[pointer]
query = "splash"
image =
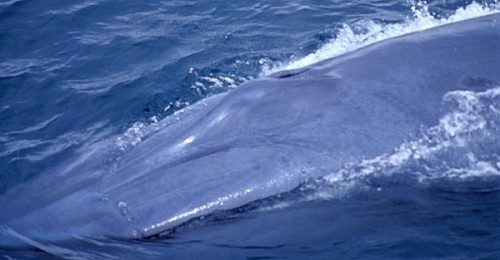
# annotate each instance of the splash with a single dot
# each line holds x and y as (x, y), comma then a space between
(349, 39)
(462, 146)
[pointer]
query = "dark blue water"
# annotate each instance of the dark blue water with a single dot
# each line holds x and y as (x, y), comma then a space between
(73, 73)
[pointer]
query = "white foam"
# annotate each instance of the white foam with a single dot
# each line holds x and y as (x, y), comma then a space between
(473, 114)
(131, 137)
(219, 81)
(349, 39)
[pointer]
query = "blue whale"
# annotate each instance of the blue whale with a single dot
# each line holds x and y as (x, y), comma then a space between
(263, 138)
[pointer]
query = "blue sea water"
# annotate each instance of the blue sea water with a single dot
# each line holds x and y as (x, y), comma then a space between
(74, 73)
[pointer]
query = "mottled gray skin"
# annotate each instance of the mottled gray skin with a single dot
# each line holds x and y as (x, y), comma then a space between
(263, 138)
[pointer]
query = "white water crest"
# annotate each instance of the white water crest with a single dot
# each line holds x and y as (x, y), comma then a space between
(349, 39)
(462, 146)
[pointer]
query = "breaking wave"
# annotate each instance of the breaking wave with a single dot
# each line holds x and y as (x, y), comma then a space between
(354, 36)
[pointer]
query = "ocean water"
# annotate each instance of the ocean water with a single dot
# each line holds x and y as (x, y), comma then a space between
(73, 73)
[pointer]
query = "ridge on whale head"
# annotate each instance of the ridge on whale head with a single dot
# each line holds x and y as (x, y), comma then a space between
(263, 138)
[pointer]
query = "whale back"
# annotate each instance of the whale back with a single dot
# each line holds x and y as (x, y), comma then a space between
(261, 139)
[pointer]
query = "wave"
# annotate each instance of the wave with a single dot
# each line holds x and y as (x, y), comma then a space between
(462, 149)
(355, 36)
